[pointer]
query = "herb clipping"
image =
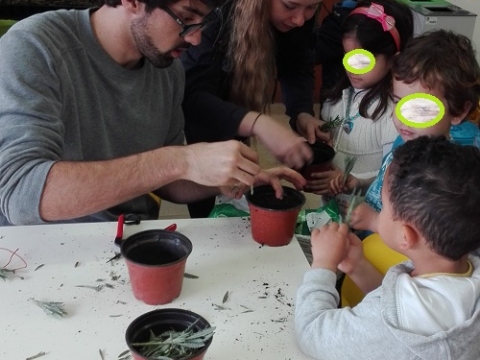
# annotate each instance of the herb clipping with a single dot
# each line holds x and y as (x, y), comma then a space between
(175, 344)
(51, 307)
(355, 200)
(331, 124)
(349, 164)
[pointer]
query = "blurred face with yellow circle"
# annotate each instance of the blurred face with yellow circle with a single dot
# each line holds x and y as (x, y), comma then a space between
(420, 110)
(363, 68)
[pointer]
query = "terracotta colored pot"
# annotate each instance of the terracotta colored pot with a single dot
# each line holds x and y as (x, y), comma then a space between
(160, 321)
(273, 220)
(156, 263)
(323, 155)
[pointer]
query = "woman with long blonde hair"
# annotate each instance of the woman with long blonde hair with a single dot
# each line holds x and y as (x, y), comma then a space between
(230, 76)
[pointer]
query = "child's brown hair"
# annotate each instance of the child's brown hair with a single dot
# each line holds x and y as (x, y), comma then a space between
(434, 185)
(442, 60)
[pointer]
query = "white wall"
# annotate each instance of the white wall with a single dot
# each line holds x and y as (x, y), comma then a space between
(474, 7)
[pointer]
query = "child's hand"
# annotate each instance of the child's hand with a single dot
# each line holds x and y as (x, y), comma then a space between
(364, 217)
(337, 186)
(354, 255)
(329, 246)
(321, 184)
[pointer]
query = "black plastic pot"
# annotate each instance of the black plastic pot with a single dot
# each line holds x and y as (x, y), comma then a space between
(323, 155)
(163, 320)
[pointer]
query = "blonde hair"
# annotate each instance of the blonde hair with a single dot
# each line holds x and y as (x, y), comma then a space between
(251, 54)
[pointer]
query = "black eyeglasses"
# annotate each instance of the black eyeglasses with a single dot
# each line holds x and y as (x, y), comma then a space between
(187, 29)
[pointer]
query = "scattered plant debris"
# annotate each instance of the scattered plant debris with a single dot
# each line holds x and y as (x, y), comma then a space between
(41, 353)
(190, 276)
(102, 355)
(225, 298)
(125, 355)
(96, 288)
(219, 307)
(39, 266)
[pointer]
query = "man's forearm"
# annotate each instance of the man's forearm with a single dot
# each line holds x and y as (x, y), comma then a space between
(75, 189)
(184, 191)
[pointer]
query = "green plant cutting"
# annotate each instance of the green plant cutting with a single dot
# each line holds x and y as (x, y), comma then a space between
(331, 124)
(175, 345)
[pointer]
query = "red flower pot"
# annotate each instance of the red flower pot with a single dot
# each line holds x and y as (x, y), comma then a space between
(156, 263)
(160, 321)
(273, 220)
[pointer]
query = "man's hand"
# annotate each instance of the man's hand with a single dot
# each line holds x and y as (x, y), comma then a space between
(221, 163)
(267, 177)
(309, 127)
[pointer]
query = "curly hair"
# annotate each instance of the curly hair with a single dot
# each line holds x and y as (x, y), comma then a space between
(251, 54)
(442, 60)
(434, 185)
(370, 35)
(153, 4)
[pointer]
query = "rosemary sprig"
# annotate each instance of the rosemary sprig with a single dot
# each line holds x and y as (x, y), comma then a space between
(331, 124)
(349, 164)
(175, 345)
(355, 200)
(51, 307)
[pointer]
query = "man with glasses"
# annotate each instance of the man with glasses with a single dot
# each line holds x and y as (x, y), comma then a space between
(91, 117)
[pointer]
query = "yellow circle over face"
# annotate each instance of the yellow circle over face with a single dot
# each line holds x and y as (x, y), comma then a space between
(359, 61)
(420, 110)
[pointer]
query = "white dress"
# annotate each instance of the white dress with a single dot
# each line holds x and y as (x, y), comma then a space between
(368, 140)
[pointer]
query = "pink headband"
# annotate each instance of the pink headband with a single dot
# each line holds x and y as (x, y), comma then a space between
(375, 11)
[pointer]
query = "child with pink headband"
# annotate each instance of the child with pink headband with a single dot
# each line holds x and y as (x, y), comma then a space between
(362, 102)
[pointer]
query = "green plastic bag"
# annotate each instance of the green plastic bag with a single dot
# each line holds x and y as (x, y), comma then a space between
(226, 207)
(5, 25)
(310, 218)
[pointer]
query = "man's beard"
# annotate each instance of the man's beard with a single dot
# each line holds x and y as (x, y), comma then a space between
(145, 44)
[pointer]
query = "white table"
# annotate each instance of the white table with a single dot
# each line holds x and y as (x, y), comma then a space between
(224, 257)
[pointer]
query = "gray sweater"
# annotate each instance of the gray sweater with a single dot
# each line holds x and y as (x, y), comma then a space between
(406, 318)
(64, 98)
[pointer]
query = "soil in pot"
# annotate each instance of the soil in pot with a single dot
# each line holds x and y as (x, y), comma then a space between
(273, 220)
(323, 155)
(156, 263)
(160, 321)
